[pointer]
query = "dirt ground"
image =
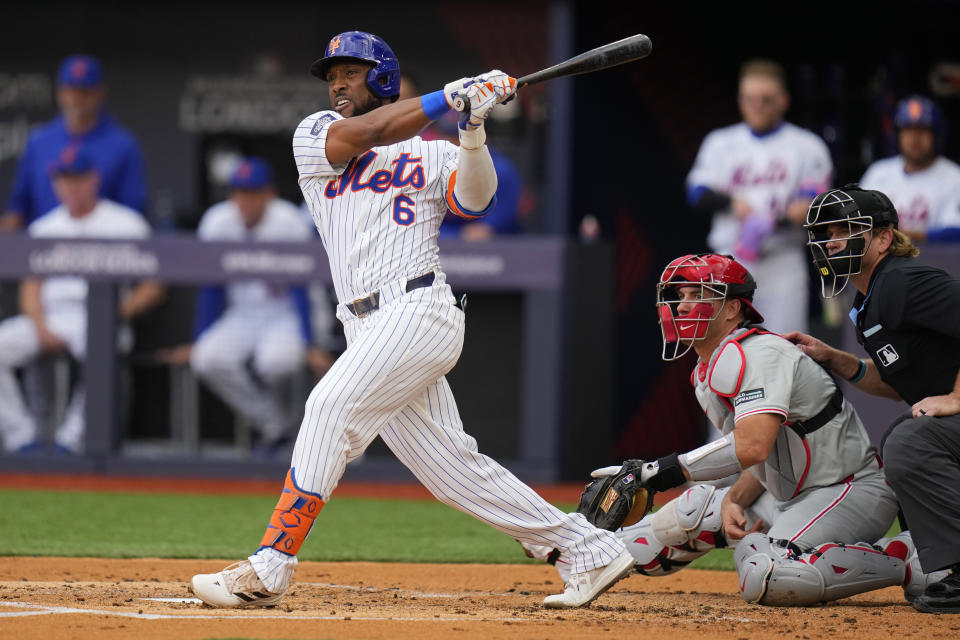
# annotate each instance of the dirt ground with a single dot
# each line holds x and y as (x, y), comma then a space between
(60, 598)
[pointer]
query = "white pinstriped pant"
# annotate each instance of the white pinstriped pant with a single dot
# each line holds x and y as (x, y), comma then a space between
(389, 382)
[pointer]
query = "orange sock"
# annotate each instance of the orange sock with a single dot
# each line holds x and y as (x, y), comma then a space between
(292, 518)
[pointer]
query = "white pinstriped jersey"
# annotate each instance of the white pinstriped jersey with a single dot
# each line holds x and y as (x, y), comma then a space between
(925, 200)
(779, 379)
(767, 171)
(281, 222)
(380, 214)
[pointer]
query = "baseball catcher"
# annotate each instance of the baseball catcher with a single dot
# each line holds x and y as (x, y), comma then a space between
(794, 484)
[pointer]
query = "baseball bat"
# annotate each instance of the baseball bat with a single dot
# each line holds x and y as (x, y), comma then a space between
(609, 55)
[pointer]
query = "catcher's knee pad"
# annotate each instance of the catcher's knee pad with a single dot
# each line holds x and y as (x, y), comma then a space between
(692, 520)
(652, 557)
(292, 518)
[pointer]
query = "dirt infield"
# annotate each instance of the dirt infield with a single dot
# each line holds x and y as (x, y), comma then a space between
(60, 598)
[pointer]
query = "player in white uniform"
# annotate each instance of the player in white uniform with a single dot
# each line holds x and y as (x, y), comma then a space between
(923, 185)
(263, 324)
(54, 309)
(377, 193)
(810, 489)
(757, 178)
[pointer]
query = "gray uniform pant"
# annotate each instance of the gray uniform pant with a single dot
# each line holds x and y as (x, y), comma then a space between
(921, 457)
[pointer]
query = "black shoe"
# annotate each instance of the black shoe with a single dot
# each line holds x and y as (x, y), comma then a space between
(941, 597)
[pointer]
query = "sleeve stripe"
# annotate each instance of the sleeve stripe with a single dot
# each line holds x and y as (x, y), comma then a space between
(456, 207)
(773, 410)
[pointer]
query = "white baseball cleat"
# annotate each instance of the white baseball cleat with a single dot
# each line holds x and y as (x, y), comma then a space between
(235, 586)
(584, 588)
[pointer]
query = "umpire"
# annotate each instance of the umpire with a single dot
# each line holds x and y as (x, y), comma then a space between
(907, 318)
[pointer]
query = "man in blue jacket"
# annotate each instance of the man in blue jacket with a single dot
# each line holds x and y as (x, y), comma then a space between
(83, 121)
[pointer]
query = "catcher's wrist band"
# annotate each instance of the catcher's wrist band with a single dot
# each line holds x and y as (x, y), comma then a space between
(434, 104)
(714, 460)
(668, 474)
(861, 371)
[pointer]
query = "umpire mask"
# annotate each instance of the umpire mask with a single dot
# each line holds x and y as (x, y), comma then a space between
(844, 218)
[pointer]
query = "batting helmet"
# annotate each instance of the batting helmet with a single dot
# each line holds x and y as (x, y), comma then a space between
(718, 278)
(918, 111)
(855, 211)
(383, 79)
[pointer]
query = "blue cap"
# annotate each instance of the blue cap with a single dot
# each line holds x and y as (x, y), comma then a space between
(73, 160)
(80, 71)
(251, 173)
(917, 111)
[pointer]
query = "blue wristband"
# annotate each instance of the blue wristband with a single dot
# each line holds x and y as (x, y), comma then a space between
(858, 376)
(434, 104)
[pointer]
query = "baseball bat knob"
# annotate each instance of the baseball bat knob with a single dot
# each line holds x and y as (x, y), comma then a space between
(461, 105)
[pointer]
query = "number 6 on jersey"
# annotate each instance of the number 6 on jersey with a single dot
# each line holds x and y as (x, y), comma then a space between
(403, 213)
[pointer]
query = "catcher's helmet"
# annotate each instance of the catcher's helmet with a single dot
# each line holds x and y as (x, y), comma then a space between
(383, 79)
(719, 278)
(856, 211)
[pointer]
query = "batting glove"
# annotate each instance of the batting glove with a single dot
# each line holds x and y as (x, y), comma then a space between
(504, 86)
(480, 98)
(452, 89)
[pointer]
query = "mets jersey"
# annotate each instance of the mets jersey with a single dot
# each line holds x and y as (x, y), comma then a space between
(107, 220)
(766, 170)
(281, 222)
(776, 377)
(378, 215)
(925, 200)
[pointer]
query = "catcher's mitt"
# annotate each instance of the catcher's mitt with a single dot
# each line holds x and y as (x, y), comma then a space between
(617, 500)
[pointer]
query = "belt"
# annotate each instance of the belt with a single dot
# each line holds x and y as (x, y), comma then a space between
(362, 307)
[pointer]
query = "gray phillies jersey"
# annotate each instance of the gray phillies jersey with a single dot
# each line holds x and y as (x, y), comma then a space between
(763, 373)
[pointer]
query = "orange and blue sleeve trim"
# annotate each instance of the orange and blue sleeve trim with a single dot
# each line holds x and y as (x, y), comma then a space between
(455, 206)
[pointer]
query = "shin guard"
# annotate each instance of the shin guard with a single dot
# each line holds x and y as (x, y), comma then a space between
(292, 518)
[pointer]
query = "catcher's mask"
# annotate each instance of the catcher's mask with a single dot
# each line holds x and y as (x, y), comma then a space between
(844, 218)
(717, 279)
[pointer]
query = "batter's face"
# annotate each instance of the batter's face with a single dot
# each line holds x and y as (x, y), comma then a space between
(349, 95)
(763, 101)
(916, 145)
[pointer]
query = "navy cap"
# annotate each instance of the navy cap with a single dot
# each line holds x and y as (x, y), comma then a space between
(73, 160)
(80, 71)
(251, 173)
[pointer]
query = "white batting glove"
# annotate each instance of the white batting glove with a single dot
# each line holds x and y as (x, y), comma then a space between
(480, 98)
(452, 89)
(504, 85)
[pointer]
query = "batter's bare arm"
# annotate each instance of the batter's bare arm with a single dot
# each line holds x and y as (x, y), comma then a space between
(389, 124)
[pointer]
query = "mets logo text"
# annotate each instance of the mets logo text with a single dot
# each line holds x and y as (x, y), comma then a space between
(406, 171)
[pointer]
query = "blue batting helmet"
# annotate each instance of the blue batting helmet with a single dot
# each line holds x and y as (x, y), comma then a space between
(917, 111)
(383, 79)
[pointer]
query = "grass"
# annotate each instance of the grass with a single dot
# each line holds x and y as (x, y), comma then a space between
(121, 525)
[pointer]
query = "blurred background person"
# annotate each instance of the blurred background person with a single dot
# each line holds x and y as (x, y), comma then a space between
(251, 336)
(756, 178)
(83, 120)
(54, 310)
(923, 185)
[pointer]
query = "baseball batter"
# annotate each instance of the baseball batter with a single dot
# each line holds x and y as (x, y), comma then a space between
(810, 495)
(377, 193)
(923, 185)
(756, 179)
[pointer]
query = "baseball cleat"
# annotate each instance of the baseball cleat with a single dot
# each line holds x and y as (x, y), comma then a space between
(584, 588)
(235, 586)
(915, 581)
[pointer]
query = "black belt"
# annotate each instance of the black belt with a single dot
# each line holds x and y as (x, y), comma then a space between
(806, 427)
(365, 306)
